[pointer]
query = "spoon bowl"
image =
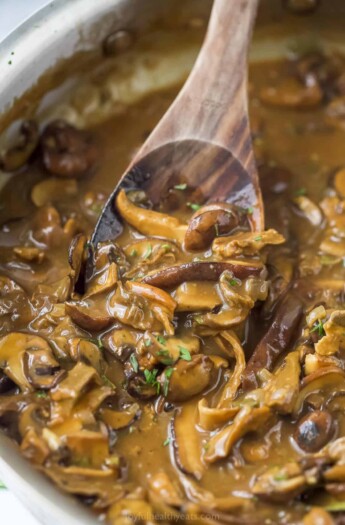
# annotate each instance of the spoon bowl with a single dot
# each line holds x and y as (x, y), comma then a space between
(210, 173)
(203, 142)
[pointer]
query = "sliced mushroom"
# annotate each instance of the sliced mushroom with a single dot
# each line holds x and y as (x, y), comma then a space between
(248, 419)
(339, 182)
(309, 210)
(52, 190)
(173, 276)
(188, 378)
(76, 253)
(245, 243)
(210, 222)
(72, 386)
(17, 156)
(281, 484)
(88, 315)
(117, 419)
(196, 296)
(314, 430)
(213, 418)
(281, 390)
(277, 339)
(28, 361)
(41, 367)
(187, 442)
(149, 222)
(67, 151)
(82, 481)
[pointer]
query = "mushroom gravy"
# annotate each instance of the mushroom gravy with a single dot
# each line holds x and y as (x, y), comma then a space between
(196, 370)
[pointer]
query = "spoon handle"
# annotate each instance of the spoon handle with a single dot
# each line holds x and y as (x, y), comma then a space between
(212, 105)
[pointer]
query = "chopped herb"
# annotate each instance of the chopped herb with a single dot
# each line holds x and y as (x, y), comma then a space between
(167, 442)
(148, 251)
(258, 238)
(168, 360)
(151, 378)
(181, 186)
(319, 329)
(134, 362)
(96, 342)
(166, 247)
(133, 253)
(300, 192)
(216, 227)
(147, 342)
(2, 485)
(41, 394)
(250, 210)
(10, 62)
(161, 340)
(167, 373)
(107, 381)
(234, 282)
(281, 476)
(185, 353)
(193, 206)
(198, 319)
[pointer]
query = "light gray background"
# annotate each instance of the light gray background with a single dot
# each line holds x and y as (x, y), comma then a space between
(12, 14)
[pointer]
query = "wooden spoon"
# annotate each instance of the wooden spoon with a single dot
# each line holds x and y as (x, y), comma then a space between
(204, 138)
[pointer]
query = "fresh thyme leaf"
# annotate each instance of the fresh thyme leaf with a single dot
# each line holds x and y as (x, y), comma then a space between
(96, 342)
(318, 327)
(300, 192)
(250, 210)
(234, 282)
(133, 253)
(41, 394)
(161, 340)
(281, 477)
(185, 353)
(148, 251)
(181, 187)
(166, 247)
(193, 206)
(151, 378)
(258, 238)
(167, 373)
(147, 342)
(166, 442)
(134, 362)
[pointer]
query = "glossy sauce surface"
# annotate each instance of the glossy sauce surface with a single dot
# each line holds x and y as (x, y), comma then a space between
(100, 393)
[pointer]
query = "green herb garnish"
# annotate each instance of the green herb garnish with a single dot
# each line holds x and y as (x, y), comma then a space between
(161, 340)
(185, 353)
(318, 327)
(148, 251)
(2, 486)
(133, 253)
(181, 187)
(258, 238)
(151, 378)
(134, 362)
(147, 342)
(193, 206)
(166, 247)
(166, 442)
(41, 394)
(167, 359)
(96, 342)
(300, 192)
(250, 210)
(234, 282)
(167, 373)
